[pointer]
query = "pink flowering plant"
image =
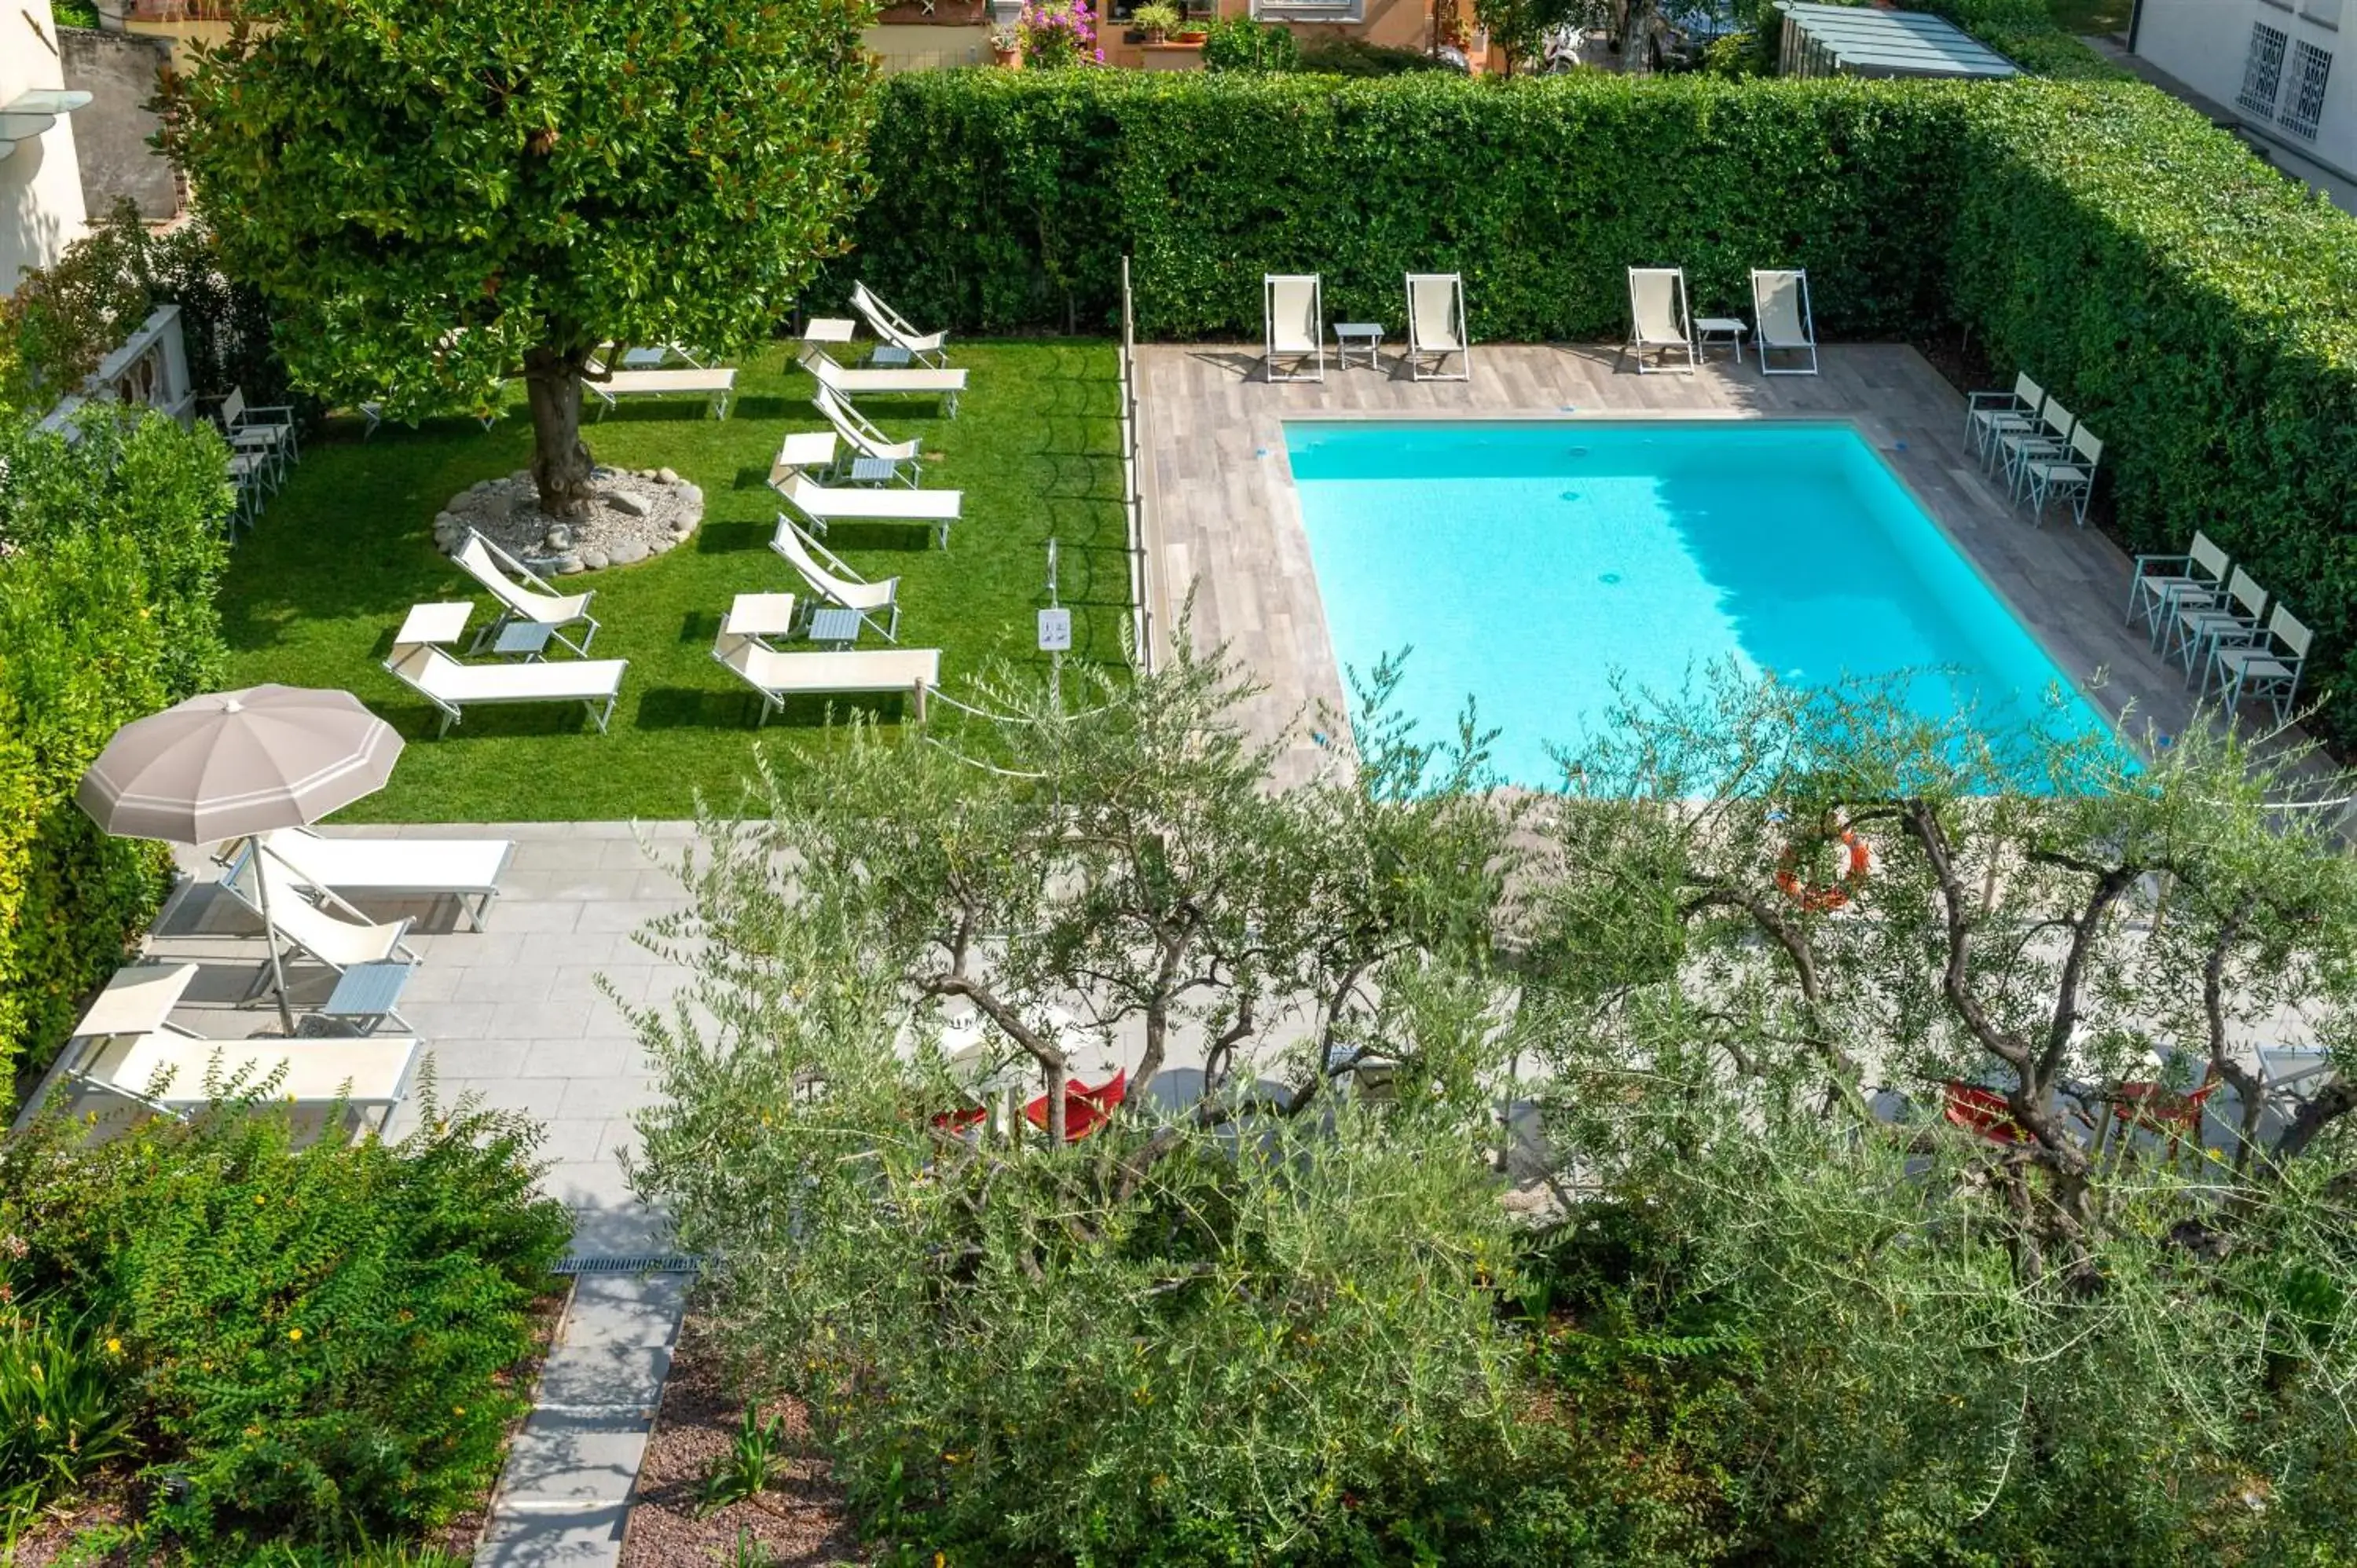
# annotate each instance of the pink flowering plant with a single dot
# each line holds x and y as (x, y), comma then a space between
(1056, 35)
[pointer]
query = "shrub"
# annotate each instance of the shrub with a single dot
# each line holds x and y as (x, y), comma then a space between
(319, 1336)
(1356, 56)
(63, 1412)
(115, 542)
(1057, 36)
(1033, 188)
(1239, 43)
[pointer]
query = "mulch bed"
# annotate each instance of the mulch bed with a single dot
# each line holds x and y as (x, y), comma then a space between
(800, 1520)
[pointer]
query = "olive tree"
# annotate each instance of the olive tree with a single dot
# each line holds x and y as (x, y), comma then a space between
(1191, 1334)
(437, 197)
(1780, 935)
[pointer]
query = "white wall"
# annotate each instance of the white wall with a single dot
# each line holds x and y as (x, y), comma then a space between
(40, 185)
(2205, 44)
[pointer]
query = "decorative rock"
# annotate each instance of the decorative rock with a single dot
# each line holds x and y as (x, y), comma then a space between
(593, 559)
(632, 516)
(558, 538)
(692, 494)
(625, 502)
(566, 566)
(680, 531)
(667, 475)
(628, 552)
(665, 542)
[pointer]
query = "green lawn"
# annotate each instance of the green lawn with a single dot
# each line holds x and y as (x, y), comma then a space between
(315, 592)
(2083, 17)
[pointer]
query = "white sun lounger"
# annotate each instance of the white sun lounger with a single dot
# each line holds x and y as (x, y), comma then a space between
(166, 1071)
(1435, 327)
(1293, 313)
(1781, 320)
(777, 676)
(888, 324)
(1658, 317)
(713, 383)
(530, 599)
(450, 686)
(837, 583)
(864, 438)
(468, 870)
(315, 930)
(826, 504)
(944, 384)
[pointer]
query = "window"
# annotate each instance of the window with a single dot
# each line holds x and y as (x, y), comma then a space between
(1310, 10)
(2323, 12)
(2264, 70)
(2304, 104)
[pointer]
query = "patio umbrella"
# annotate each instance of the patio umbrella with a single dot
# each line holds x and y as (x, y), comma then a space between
(233, 765)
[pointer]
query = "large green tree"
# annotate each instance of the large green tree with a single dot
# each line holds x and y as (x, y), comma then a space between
(437, 197)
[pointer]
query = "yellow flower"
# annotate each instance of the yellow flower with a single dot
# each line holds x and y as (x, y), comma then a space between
(259, 1200)
(457, 1410)
(939, 1560)
(114, 1347)
(294, 1334)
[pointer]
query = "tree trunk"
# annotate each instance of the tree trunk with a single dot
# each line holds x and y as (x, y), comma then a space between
(561, 465)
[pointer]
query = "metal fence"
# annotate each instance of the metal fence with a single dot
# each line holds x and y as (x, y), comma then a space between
(1133, 493)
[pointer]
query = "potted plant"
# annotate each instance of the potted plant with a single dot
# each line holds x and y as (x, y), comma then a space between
(1186, 29)
(1007, 46)
(1157, 21)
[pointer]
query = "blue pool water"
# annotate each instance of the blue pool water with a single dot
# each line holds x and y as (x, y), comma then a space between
(1528, 562)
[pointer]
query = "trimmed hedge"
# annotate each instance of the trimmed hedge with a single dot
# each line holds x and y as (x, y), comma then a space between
(114, 543)
(2199, 310)
(1005, 200)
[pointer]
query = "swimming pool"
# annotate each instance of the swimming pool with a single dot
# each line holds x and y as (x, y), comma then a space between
(1526, 563)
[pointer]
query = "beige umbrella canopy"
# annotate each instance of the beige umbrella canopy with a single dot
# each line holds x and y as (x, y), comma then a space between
(231, 764)
(234, 765)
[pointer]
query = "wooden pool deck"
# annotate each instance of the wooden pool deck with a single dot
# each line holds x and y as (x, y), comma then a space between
(1224, 517)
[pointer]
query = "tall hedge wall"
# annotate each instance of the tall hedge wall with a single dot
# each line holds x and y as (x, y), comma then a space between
(1006, 200)
(113, 546)
(2194, 307)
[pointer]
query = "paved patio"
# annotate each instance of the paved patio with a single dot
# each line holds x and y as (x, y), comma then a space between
(1223, 515)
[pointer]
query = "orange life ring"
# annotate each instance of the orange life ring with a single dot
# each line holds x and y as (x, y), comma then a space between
(1857, 860)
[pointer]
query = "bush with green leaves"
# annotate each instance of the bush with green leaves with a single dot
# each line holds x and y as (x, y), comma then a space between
(1239, 43)
(318, 1338)
(63, 1414)
(114, 543)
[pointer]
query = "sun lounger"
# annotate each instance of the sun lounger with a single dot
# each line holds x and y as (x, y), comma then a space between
(944, 384)
(466, 869)
(1293, 316)
(169, 1070)
(1658, 317)
(837, 583)
(315, 930)
(1781, 320)
(713, 383)
(450, 686)
(864, 439)
(531, 599)
(826, 504)
(1435, 327)
(851, 672)
(888, 325)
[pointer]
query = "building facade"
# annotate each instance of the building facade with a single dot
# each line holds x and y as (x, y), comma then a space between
(41, 209)
(2273, 67)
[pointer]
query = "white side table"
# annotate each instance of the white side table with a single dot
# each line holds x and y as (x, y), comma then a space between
(803, 451)
(760, 616)
(1717, 329)
(1367, 335)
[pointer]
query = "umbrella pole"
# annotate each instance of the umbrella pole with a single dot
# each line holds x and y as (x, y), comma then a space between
(270, 936)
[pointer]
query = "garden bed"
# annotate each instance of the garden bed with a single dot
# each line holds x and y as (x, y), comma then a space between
(800, 1520)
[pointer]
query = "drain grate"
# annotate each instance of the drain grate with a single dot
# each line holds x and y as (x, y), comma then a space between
(638, 1263)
